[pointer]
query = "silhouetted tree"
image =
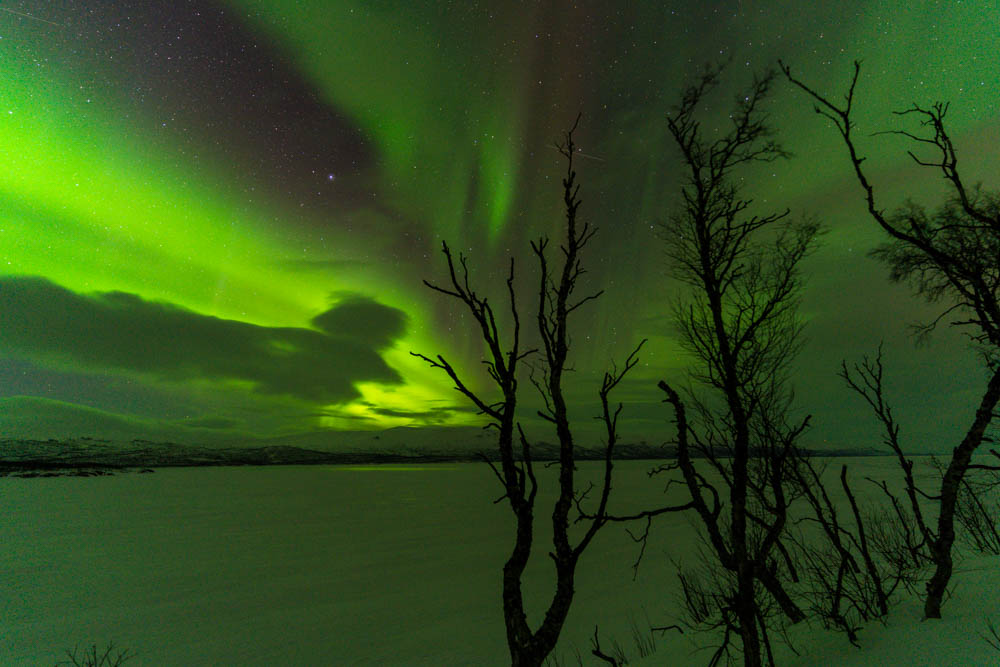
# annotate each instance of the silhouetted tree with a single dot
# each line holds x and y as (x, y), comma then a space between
(851, 572)
(556, 304)
(866, 380)
(951, 254)
(977, 509)
(110, 657)
(740, 325)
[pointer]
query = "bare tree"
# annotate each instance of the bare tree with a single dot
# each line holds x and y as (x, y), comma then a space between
(740, 325)
(977, 509)
(866, 380)
(110, 657)
(556, 303)
(851, 572)
(950, 255)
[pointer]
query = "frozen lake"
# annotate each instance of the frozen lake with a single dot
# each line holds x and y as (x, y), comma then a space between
(317, 565)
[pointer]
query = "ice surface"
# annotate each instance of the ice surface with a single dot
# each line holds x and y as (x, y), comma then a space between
(400, 565)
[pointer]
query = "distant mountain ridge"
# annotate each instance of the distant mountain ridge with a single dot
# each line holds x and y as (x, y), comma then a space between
(20, 456)
(45, 431)
(85, 452)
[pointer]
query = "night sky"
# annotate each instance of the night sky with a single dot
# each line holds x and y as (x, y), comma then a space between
(215, 216)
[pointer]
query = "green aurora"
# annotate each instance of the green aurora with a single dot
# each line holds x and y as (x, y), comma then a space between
(215, 219)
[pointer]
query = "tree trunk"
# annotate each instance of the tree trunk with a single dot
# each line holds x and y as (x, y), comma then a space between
(960, 458)
(773, 585)
(746, 612)
(515, 620)
(534, 652)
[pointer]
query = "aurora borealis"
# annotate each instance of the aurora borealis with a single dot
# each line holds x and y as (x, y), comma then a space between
(215, 217)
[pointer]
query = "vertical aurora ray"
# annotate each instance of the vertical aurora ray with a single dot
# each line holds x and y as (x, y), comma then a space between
(444, 116)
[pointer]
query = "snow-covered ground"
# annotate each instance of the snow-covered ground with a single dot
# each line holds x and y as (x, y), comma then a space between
(391, 565)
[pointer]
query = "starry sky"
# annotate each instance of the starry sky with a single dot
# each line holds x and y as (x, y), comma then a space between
(215, 217)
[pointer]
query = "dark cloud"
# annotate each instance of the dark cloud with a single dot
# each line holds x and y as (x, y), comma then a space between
(363, 320)
(431, 416)
(52, 325)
